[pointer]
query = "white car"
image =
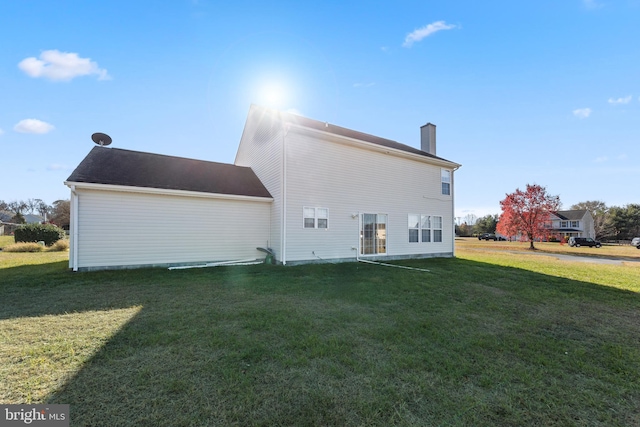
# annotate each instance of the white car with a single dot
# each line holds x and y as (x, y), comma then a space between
(636, 242)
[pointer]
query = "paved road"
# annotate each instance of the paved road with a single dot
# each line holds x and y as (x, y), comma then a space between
(575, 258)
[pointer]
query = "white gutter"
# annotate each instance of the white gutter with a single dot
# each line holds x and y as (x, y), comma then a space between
(283, 235)
(453, 211)
(74, 232)
(250, 261)
(164, 191)
(393, 265)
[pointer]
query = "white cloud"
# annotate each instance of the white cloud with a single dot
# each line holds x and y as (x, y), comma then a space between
(426, 31)
(625, 100)
(33, 126)
(364, 84)
(61, 66)
(601, 159)
(582, 113)
(1, 131)
(622, 157)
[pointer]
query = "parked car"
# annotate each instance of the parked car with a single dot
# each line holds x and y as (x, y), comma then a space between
(487, 236)
(583, 241)
(636, 242)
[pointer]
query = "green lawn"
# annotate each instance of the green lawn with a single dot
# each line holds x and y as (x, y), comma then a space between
(487, 339)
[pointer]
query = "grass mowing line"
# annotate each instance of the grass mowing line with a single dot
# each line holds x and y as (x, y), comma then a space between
(39, 354)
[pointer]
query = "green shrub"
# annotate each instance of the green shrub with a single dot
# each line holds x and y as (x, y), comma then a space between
(60, 245)
(24, 247)
(47, 233)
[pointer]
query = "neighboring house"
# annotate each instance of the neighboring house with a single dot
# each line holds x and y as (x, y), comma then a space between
(574, 223)
(33, 219)
(309, 190)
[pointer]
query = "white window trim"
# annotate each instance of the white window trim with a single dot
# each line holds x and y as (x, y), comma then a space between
(420, 228)
(315, 218)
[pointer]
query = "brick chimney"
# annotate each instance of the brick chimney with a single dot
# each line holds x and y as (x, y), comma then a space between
(428, 138)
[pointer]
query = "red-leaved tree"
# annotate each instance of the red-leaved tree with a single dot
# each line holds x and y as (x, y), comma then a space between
(526, 212)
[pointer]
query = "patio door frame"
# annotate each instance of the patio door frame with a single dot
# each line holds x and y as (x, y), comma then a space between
(373, 240)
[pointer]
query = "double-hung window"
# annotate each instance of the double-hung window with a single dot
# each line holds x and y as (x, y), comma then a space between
(414, 228)
(425, 226)
(315, 217)
(445, 178)
(436, 223)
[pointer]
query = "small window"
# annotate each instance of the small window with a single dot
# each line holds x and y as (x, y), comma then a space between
(322, 215)
(315, 217)
(425, 225)
(436, 223)
(414, 228)
(575, 224)
(445, 178)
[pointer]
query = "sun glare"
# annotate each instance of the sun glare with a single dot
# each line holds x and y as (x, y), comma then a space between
(274, 94)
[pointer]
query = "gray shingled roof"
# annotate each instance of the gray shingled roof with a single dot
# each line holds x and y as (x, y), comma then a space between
(115, 166)
(573, 215)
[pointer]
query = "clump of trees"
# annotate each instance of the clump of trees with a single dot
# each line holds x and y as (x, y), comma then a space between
(470, 225)
(58, 213)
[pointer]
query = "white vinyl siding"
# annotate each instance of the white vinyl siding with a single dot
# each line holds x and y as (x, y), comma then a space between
(350, 181)
(261, 149)
(119, 229)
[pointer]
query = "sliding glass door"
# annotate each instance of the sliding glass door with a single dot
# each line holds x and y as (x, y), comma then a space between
(373, 234)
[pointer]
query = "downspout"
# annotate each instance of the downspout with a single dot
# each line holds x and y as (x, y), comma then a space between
(74, 233)
(283, 235)
(453, 211)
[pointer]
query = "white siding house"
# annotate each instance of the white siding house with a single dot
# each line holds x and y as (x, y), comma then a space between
(342, 194)
(308, 190)
(573, 223)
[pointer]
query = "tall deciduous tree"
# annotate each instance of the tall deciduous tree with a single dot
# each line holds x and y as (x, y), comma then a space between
(61, 213)
(527, 211)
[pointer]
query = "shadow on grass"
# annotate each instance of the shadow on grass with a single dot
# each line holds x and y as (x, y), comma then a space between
(349, 344)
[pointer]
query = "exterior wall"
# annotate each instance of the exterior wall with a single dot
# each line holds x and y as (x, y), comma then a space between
(261, 150)
(120, 229)
(350, 180)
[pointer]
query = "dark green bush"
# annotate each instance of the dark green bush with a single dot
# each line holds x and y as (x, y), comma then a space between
(48, 233)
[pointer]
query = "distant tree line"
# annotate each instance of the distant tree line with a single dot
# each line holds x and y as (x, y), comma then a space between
(58, 213)
(610, 222)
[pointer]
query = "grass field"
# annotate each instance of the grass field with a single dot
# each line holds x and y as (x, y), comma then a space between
(491, 338)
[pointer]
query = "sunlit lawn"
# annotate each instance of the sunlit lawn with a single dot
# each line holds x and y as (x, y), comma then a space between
(488, 339)
(607, 250)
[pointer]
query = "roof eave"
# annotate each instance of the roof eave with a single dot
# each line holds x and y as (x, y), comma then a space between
(163, 191)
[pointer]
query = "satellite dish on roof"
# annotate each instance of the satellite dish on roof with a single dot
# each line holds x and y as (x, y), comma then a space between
(101, 138)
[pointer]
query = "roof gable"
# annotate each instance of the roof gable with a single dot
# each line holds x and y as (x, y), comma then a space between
(572, 215)
(114, 166)
(296, 120)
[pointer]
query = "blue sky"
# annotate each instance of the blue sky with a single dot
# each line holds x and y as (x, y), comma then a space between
(544, 92)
